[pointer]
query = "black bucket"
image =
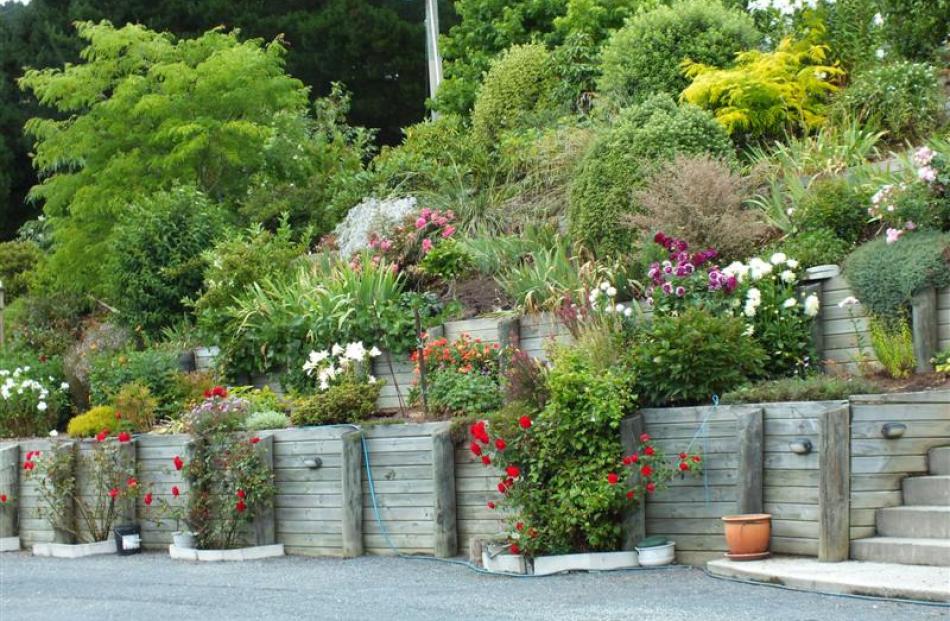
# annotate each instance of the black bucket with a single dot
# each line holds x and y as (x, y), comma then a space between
(128, 539)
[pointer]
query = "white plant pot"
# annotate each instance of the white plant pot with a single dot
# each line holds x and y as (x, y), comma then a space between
(75, 550)
(184, 540)
(9, 544)
(589, 561)
(657, 556)
(253, 553)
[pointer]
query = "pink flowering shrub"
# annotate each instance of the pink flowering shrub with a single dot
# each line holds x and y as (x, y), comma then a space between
(920, 201)
(407, 245)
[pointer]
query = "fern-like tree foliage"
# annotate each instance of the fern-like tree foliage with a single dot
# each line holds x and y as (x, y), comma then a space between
(145, 111)
(766, 94)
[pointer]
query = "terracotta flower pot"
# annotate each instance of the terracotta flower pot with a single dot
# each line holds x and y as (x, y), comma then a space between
(748, 535)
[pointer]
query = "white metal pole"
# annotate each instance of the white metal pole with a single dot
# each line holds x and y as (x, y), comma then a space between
(432, 46)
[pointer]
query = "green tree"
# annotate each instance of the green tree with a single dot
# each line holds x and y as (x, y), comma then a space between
(148, 111)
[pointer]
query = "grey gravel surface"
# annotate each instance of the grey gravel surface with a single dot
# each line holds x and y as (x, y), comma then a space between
(152, 586)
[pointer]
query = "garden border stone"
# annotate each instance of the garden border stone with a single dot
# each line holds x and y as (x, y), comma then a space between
(74, 550)
(252, 553)
(9, 544)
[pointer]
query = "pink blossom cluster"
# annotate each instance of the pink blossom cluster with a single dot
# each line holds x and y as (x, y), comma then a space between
(673, 274)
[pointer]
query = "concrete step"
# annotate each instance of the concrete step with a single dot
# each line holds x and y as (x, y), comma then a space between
(938, 459)
(902, 550)
(932, 490)
(924, 521)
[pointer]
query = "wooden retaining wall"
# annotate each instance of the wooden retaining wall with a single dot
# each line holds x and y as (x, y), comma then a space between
(32, 527)
(943, 319)
(156, 471)
(475, 485)
(877, 464)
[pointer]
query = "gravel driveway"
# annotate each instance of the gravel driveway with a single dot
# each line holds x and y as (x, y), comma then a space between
(152, 586)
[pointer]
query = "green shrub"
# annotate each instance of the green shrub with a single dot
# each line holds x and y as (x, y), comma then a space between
(834, 205)
(893, 344)
(17, 258)
(691, 357)
(448, 260)
(811, 388)
(618, 162)
(766, 94)
(348, 402)
(941, 361)
(644, 56)
(88, 424)
(155, 260)
(520, 82)
(239, 261)
(157, 370)
(266, 419)
(916, 28)
(457, 393)
(135, 403)
(885, 276)
(903, 98)
(33, 397)
(814, 247)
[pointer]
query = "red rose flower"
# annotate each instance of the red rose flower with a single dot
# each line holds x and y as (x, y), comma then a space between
(684, 466)
(148, 499)
(475, 448)
(175, 491)
(644, 437)
(113, 492)
(28, 465)
(486, 460)
(646, 471)
(118, 416)
(178, 462)
(219, 391)
(207, 394)
(513, 471)
(240, 506)
(124, 436)
(519, 526)
(255, 440)
(525, 422)
(3, 498)
(479, 432)
(630, 495)
(651, 487)
(491, 505)
(29, 456)
(241, 494)
(502, 488)
(102, 435)
(500, 444)
(515, 549)
(697, 458)
(682, 455)
(532, 532)
(612, 478)
(649, 451)
(131, 482)
(634, 458)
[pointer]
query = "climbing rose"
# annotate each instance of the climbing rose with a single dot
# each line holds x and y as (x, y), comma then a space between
(502, 488)
(682, 455)
(241, 494)
(175, 491)
(646, 471)
(255, 440)
(684, 466)
(102, 435)
(479, 432)
(513, 471)
(630, 495)
(486, 460)
(532, 532)
(525, 422)
(113, 492)
(124, 436)
(3, 498)
(649, 450)
(131, 482)
(697, 458)
(240, 506)
(500, 444)
(644, 437)
(491, 505)
(519, 526)
(612, 478)
(178, 462)
(651, 487)
(475, 448)
(148, 499)
(515, 549)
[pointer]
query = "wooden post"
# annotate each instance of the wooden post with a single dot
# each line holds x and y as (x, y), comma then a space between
(750, 470)
(126, 509)
(924, 324)
(634, 517)
(9, 480)
(817, 324)
(352, 490)
(834, 485)
(67, 532)
(509, 335)
(265, 523)
(443, 477)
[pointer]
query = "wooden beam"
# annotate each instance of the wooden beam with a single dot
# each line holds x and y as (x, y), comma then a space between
(634, 517)
(924, 323)
(67, 521)
(125, 457)
(834, 485)
(9, 485)
(751, 466)
(352, 491)
(265, 522)
(443, 476)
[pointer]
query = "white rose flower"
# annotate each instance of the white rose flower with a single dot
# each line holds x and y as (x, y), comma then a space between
(53, 433)
(41, 406)
(612, 292)
(789, 303)
(778, 258)
(792, 263)
(812, 305)
(788, 276)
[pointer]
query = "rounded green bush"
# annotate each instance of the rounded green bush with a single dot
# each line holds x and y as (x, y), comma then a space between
(833, 204)
(621, 159)
(100, 418)
(17, 258)
(644, 56)
(520, 81)
(813, 248)
(902, 98)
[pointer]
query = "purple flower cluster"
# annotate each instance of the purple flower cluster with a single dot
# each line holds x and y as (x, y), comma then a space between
(719, 281)
(682, 265)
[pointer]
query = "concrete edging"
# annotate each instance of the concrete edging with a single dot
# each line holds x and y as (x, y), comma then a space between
(252, 553)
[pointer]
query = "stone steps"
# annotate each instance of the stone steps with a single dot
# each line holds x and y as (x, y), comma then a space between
(904, 550)
(928, 490)
(923, 521)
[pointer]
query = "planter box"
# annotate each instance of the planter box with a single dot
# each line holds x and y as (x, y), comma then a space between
(74, 550)
(591, 561)
(253, 553)
(503, 562)
(9, 544)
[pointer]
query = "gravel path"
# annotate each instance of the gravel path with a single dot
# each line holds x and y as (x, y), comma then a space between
(152, 586)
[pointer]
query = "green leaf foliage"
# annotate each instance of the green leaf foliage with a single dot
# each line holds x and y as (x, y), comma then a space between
(885, 276)
(624, 156)
(17, 258)
(643, 57)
